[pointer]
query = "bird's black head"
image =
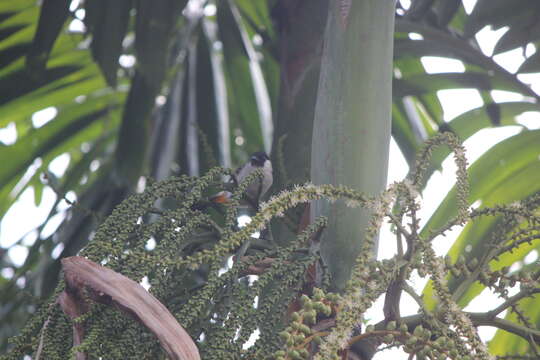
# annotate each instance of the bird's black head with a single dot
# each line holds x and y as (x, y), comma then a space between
(258, 158)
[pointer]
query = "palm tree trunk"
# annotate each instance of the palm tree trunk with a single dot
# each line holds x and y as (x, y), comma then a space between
(352, 123)
(300, 24)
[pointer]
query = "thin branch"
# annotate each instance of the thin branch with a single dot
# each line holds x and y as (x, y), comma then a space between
(400, 227)
(478, 319)
(447, 227)
(517, 243)
(399, 244)
(482, 319)
(409, 290)
(511, 301)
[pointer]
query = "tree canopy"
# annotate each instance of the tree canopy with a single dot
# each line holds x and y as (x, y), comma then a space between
(128, 93)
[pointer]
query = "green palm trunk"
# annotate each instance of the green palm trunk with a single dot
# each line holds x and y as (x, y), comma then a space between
(352, 122)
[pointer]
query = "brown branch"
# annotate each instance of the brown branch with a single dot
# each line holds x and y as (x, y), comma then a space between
(482, 319)
(392, 299)
(108, 287)
(478, 319)
(259, 267)
(511, 301)
(74, 306)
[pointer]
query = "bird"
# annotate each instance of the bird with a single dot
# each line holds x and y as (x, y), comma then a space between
(257, 188)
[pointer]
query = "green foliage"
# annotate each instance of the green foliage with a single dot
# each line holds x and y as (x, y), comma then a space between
(189, 254)
(107, 119)
(221, 305)
(215, 76)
